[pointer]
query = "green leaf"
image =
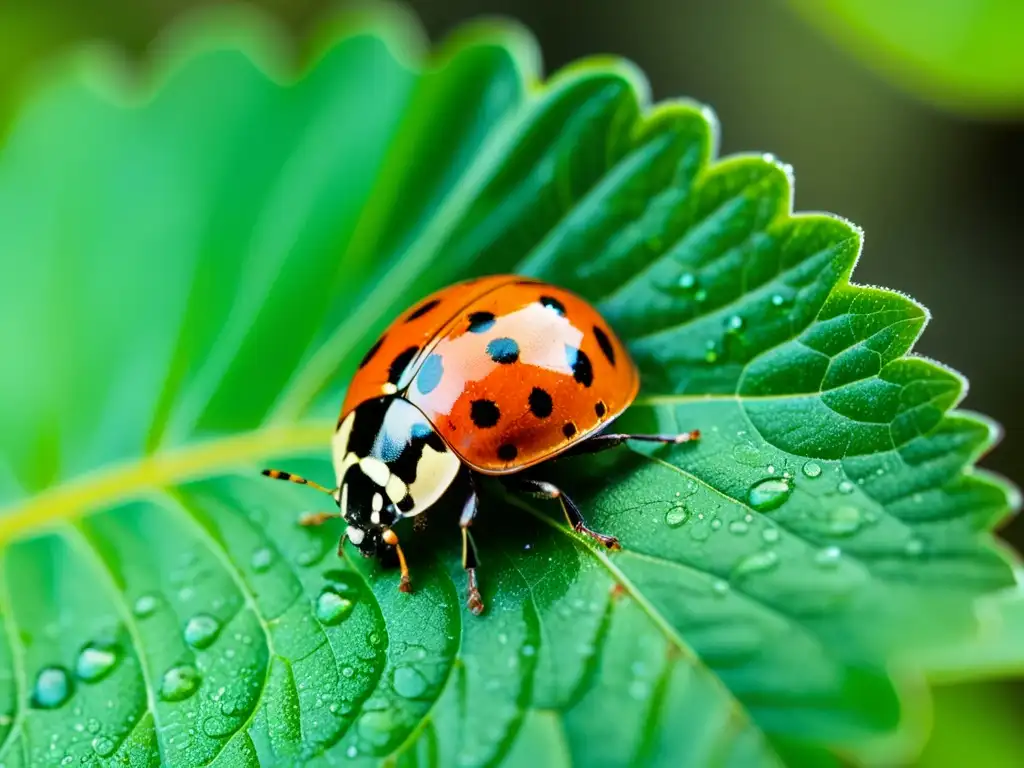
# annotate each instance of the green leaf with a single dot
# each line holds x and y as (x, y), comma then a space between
(195, 267)
(963, 55)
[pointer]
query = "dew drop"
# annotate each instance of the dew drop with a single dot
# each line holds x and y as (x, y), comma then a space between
(676, 516)
(757, 562)
(95, 662)
(146, 606)
(331, 607)
(734, 323)
(700, 295)
(812, 469)
(738, 527)
(178, 683)
(261, 560)
(201, 630)
(828, 557)
(410, 683)
(747, 454)
(720, 587)
(103, 746)
(770, 535)
(841, 521)
(716, 524)
(845, 487)
(687, 280)
(778, 300)
(639, 690)
(770, 493)
(914, 547)
(53, 687)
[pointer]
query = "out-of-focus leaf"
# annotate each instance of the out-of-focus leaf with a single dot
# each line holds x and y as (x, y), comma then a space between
(195, 270)
(964, 55)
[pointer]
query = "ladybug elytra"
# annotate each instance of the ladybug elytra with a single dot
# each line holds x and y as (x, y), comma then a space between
(491, 376)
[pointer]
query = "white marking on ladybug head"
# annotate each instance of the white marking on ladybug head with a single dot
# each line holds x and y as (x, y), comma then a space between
(375, 469)
(355, 535)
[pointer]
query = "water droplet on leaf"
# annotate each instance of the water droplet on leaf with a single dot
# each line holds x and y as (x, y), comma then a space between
(178, 683)
(828, 557)
(738, 527)
(96, 662)
(146, 606)
(53, 687)
(812, 469)
(331, 607)
(676, 516)
(770, 535)
(201, 631)
(770, 493)
(103, 746)
(914, 547)
(687, 280)
(734, 323)
(410, 683)
(262, 560)
(841, 521)
(757, 562)
(845, 487)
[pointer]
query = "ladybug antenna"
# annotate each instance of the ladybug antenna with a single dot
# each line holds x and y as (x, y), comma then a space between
(277, 474)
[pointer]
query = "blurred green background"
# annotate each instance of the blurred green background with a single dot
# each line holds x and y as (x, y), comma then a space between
(904, 117)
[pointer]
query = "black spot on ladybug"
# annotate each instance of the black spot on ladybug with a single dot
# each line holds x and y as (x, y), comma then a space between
(569, 429)
(552, 303)
(400, 363)
(480, 322)
(430, 374)
(507, 452)
(540, 403)
(422, 309)
(582, 370)
(372, 351)
(599, 409)
(504, 350)
(605, 344)
(484, 413)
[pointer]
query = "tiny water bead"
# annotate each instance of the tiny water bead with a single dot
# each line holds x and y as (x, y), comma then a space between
(262, 560)
(734, 323)
(52, 688)
(687, 280)
(812, 469)
(676, 516)
(331, 607)
(103, 746)
(96, 661)
(201, 630)
(778, 300)
(738, 527)
(914, 547)
(770, 535)
(146, 606)
(178, 683)
(720, 587)
(770, 493)
(845, 487)
(842, 520)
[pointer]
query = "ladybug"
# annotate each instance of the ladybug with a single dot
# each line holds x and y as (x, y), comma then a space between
(494, 376)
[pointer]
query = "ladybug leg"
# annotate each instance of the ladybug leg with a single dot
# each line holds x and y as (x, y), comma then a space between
(544, 490)
(604, 442)
(469, 560)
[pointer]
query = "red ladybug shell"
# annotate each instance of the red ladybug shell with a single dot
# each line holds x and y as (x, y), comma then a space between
(509, 371)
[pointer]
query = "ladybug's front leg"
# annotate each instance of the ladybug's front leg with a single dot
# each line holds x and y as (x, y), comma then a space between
(473, 600)
(544, 490)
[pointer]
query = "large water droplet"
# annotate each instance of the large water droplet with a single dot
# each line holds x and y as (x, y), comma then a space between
(812, 469)
(201, 631)
(262, 560)
(410, 682)
(53, 687)
(676, 516)
(146, 606)
(331, 607)
(178, 683)
(770, 493)
(96, 661)
(757, 562)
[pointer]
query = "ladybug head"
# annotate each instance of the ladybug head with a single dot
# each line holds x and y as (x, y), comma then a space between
(390, 464)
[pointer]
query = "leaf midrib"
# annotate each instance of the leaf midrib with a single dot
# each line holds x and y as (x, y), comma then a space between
(117, 482)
